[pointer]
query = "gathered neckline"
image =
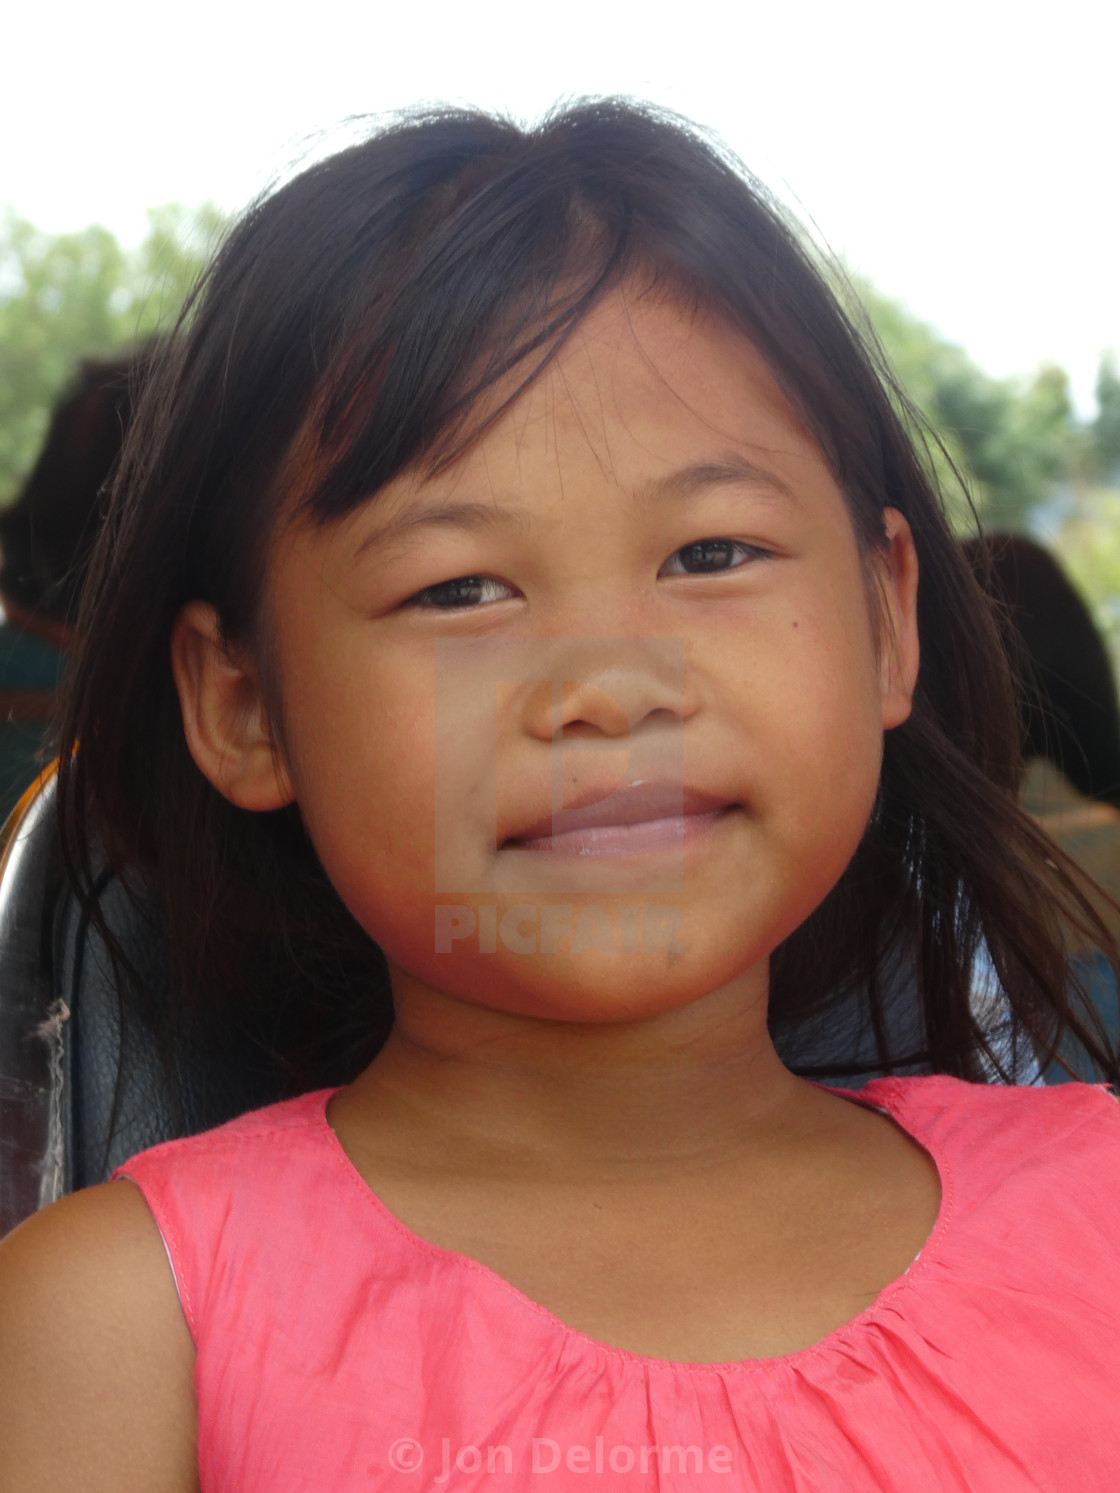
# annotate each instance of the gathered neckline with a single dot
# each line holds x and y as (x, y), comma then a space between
(892, 1094)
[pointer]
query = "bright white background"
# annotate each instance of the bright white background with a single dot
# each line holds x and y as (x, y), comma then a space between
(964, 155)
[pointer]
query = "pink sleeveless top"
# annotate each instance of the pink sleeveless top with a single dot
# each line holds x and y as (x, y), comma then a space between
(339, 1352)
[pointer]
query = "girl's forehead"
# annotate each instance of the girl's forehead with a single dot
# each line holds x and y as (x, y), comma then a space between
(636, 351)
(642, 381)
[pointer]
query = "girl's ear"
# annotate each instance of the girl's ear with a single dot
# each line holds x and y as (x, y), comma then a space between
(899, 651)
(224, 716)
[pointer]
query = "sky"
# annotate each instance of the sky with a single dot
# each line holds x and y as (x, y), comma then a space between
(963, 155)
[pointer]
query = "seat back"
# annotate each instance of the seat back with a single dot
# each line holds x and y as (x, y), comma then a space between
(32, 1014)
(61, 1048)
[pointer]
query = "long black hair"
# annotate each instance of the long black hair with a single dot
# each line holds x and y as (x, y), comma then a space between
(357, 313)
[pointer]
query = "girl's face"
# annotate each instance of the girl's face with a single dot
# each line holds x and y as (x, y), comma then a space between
(638, 596)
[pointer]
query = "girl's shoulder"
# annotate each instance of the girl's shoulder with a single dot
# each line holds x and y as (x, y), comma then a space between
(941, 1094)
(90, 1323)
(96, 1314)
(278, 1137)
(274, 1144)
(256, 1129)
(956, 1106)
(982, 1135)
(234, 1182)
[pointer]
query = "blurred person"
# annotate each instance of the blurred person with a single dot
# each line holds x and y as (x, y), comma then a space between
(1071, 729)
(45, 540)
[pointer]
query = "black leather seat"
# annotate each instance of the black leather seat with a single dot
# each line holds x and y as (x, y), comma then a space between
(32, 1049)
(60, 1037)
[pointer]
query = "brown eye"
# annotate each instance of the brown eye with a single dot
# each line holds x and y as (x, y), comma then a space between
(464, 592)
(709, 556)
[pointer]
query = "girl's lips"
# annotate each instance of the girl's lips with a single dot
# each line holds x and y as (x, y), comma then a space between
(640, 837)
(641, 801)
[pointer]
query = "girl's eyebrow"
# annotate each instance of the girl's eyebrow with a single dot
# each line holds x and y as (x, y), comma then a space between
(729, 468)
(687, 481)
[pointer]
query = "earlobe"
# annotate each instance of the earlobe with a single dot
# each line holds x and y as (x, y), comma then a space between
(224, 716)
(900, 649)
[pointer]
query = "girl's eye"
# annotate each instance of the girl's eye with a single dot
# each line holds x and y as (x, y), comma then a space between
(463, 592)
(705, 557)
(709, 556)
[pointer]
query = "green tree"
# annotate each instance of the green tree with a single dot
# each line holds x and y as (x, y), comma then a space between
(1088, 545)
(68, 296)
(1104, 435)
(1012, 441)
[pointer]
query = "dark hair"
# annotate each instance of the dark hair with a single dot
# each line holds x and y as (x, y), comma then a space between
(1067, 698)
(357, 313)
(47, 533)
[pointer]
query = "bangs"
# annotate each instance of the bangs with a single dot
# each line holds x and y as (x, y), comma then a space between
(415, 381)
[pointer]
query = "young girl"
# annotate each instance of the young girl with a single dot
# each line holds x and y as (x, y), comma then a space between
(503, 662)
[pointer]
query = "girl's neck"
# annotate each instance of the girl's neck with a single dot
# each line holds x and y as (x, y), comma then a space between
(697, 1080)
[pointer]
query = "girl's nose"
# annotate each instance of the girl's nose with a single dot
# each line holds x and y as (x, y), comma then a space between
(607, 688)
